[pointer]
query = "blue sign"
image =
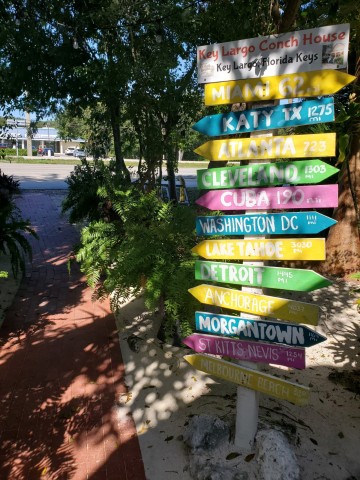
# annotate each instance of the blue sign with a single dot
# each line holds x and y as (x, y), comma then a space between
(286, 115)
(289, 223)
(260, 330)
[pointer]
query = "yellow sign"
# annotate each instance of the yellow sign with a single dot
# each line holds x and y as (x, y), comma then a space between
(253, 379)
(262, 249)
(295, 85)
(291, 146)
(297, 312)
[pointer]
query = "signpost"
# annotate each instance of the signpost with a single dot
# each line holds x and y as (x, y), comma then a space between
(281, 116)
(291, 52)
(260, 276)
(263, 305)
(277, 198)
(263, 224)
(262, 249)
(294, 85)
(291, 65)
(249, 351)
(265, 174)
(291, 146)
(249, 378)
(264, 330)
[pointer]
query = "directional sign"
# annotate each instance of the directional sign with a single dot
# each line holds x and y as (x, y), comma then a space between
(277, 198)
(252, 379)
(280, 116)
(260, 276)
(291, 146)
(263, 305)
(263, 224)
(264, 249)
(248, 351)
(265, 174)
(264, 330)
(293, 85)
(291, 52)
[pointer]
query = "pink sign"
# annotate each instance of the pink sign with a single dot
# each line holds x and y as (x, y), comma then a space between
(299, 197)
(250, 351)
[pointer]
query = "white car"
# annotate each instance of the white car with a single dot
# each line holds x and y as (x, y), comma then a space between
(70, 150)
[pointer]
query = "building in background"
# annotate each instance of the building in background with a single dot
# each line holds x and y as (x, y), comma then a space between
(45, 137)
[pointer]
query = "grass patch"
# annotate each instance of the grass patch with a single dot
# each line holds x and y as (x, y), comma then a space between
(74, 161)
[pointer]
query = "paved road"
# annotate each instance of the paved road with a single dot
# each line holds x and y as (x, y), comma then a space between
(52, 177)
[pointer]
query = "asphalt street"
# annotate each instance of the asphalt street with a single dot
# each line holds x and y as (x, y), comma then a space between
(52, 177)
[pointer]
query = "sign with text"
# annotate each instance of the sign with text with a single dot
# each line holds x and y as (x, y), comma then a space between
(295, 85)
(252, 379)
(291, 146)
(264, 249)
(265, 118)
(248, 351)
(260, 276)
(263, 305)
(276, 198)
(265, 174)
(291, 52)
(263, 224)
(264, 330)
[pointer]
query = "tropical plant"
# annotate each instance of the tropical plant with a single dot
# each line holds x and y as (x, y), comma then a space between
(82, 201)
(13, 242)
(147, 248)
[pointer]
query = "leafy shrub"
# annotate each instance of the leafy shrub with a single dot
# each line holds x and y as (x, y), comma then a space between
(12, 239)
(11, 152)
(82, 201)
(148, 246)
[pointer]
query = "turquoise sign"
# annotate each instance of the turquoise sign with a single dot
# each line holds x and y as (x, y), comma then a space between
(258, 330)
(263, 224)
(286, 115)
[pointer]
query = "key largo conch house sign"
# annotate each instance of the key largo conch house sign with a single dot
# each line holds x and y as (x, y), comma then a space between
(292, 52)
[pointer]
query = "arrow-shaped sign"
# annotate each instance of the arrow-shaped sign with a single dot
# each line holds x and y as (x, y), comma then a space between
(295, 85)
(263, 305)
(276, 198)
(252, 379)
(260, 276)
(263, 224)
(262, 249)
(265, 118)
(264, 330)
(249, 351)
(291, 146)
(265, 174)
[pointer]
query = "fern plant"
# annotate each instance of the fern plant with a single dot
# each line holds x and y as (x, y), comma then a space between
(146, 247)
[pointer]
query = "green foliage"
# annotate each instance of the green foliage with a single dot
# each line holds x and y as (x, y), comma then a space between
(82, 201)
(13, 242)
(8, 152)
(147, 247)
(12, 239)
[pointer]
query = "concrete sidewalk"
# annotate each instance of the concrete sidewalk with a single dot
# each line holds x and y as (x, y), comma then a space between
(61, 369)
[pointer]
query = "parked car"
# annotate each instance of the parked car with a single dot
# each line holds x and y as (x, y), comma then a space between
(70, 151)
(78, 153)
(48, 152)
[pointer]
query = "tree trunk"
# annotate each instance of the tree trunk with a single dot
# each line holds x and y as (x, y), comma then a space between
(343, 243)
(119, 159)
(170, 167)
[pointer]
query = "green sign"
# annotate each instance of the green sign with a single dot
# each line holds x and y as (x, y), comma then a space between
(260, 276)
(301, 172)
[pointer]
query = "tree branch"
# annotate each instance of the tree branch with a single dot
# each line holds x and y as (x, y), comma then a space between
(290, 11)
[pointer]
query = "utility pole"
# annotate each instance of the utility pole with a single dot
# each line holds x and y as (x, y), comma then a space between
(28, 134)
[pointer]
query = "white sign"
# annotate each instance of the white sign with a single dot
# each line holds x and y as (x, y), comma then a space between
(301, 51)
